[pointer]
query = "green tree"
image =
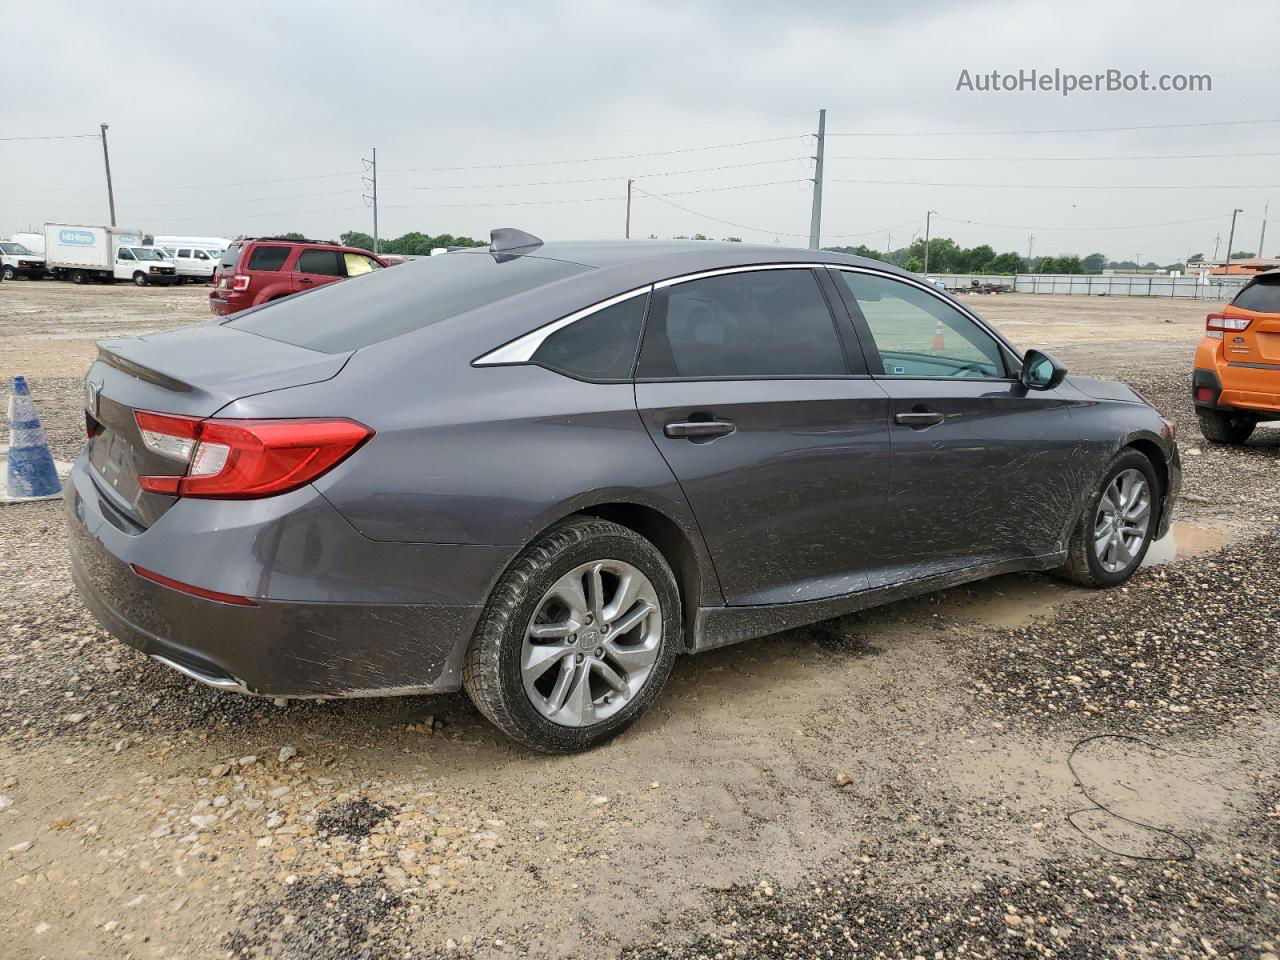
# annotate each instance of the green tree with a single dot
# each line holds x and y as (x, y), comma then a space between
(1243, 254)
(914, 264)
(354, 238)
(1006, 263)
(1094, 262)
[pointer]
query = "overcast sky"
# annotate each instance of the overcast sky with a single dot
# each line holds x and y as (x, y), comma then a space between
(202, 100)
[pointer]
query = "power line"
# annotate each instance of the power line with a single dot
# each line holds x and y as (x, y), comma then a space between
(613, 179)
(662, 198)
(1128, 226)
(611, 199)
(1154, 156)
(620, 156)
(65, 136)
(1002, 133)
(1065, 186)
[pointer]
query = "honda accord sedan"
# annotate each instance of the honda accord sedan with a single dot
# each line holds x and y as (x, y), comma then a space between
(542, 471)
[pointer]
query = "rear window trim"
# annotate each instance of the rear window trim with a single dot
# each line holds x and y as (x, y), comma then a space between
(522, 348)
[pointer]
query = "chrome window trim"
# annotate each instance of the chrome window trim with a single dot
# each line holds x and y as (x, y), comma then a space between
(523, 347)
(933, 292)
(722, 271)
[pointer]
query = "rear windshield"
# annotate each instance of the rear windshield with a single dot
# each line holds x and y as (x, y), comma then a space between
(1261, 296)
(387, 303)
(230, 256)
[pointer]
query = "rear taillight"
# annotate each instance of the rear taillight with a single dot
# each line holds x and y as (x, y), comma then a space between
(242, 459)
(1223, 323)
(240, 282)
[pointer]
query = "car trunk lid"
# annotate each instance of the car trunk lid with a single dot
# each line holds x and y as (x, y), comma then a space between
(193, 372)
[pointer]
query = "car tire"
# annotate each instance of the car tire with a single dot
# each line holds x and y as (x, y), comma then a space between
(9, 272)
(1225, 426)
(140, 279)
(495, 671)
(1084, 565)
(77, 276)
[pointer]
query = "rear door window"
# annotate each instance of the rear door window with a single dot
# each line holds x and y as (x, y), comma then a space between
(324, 263)
(599, 347)
(760, 323)
(347, 316)
(184, 253)
(265, 258)
(1260, 296)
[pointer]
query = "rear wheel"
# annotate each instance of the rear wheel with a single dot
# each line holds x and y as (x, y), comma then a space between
(1226, 426)
(577, 639)
(1116, 525)
(77, 276)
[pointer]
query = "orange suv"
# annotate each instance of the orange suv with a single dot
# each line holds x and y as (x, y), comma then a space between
(1236, 381)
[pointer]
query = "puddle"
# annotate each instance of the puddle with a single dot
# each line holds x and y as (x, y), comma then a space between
(1184, 540)
(1017, 599)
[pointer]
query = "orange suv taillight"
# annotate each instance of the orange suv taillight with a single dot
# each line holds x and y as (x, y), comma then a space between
(1222, 323)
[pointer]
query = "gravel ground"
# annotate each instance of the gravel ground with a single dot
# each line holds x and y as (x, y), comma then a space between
(976, 773)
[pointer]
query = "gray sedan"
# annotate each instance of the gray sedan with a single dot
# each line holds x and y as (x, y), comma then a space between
(543, 471)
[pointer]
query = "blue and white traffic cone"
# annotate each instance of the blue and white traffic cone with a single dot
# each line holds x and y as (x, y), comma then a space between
(32, 474)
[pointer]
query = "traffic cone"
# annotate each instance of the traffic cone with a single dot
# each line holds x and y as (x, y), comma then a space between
(32, 474)
(938, 342)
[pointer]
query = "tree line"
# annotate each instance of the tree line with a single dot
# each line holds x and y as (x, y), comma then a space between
(947, 256)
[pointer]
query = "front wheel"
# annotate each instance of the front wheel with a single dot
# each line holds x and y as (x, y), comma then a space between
(140, 279)
(577, 639)
(1225, 426)
(9, 272)
(1117, 524)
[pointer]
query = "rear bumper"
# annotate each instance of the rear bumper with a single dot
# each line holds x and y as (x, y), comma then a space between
(307, 647)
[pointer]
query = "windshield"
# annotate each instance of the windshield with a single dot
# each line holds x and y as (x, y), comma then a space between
(14, 249)
(387, 303)
(147, 253)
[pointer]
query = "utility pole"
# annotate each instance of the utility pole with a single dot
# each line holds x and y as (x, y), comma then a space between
(1230, 238)
(815, 218)
(888, 242)
(928, 217)
(1262, 237)
(106, 162)
(372, 180)
(1217, 245)
(628, 232)
(1031, 242)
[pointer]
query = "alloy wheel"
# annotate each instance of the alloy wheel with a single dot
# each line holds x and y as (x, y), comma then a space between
(1123, 518)
(592, 643)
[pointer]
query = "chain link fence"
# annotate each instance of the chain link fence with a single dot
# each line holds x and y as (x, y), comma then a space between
(1095, 285)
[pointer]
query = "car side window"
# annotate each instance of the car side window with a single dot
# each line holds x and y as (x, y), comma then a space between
(199, 254)
(918, 334)
(758, 323)
(265, 258)
(600, 347)
(123, 254)
(327, 263)
(358, 263)
(184, 253)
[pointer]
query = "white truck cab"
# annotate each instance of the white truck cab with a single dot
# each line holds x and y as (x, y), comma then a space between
(144, 266)
(18, 261)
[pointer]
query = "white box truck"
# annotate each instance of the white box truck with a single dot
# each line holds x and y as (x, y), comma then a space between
(83, 253)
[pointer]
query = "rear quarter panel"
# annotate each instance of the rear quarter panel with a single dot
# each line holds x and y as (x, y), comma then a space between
(482, 455)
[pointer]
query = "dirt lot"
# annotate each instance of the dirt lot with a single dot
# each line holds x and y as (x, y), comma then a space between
(1014, 769)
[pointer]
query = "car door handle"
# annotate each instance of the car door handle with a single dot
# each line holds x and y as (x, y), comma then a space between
(305, 280)
(918, 418)
(698, 429)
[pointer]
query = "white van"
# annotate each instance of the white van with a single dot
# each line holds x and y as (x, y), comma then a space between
(194, 264)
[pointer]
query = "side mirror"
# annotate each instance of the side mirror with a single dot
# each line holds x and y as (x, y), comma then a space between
(1040, 371)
